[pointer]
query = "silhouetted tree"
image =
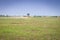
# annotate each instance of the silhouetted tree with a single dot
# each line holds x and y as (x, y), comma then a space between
(28, 14)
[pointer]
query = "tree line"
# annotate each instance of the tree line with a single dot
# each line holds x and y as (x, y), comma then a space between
(3, 15)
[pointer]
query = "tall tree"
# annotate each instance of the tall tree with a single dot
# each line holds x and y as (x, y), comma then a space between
(28, 14)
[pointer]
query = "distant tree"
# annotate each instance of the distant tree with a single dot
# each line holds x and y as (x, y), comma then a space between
(28, 14)
(54, 16)
(37, 16)
(2, 15)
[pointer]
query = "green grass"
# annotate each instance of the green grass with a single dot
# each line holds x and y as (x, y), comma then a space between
(30, 28)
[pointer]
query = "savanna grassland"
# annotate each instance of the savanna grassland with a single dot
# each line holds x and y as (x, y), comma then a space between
(32, 28)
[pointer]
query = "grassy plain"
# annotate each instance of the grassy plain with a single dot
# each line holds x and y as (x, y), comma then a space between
(33, 28)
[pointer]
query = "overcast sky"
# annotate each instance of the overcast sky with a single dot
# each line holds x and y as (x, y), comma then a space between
(34, 7)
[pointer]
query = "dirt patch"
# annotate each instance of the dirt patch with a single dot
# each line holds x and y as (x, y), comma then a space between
(18, 17)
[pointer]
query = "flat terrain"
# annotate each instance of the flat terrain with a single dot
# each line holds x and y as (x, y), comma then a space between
(32, 28)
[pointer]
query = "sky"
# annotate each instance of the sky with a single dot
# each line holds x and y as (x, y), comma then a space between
(34, 7)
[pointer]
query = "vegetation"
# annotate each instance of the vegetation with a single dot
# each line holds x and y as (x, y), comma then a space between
(3, 15)
(28, 14)
(34, 28)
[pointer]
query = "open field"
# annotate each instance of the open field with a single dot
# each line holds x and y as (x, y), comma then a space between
(33, 28)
